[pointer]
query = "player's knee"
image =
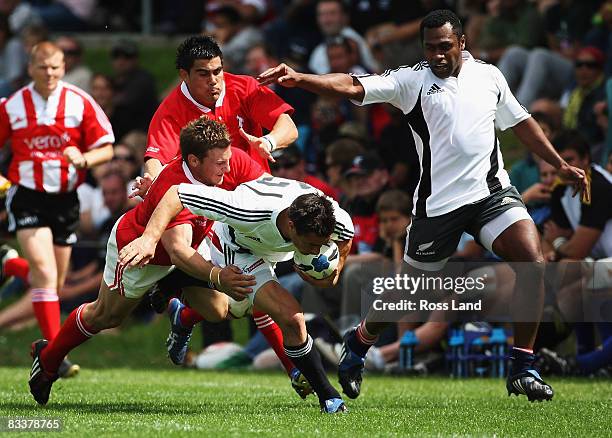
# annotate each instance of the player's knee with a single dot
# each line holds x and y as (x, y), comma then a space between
(44, 274)
(293, 325)
(102, 317)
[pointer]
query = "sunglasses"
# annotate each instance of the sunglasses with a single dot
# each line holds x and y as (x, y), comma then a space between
(128, 158)
(587, 64)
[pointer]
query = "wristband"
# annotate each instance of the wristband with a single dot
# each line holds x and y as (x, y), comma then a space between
(219, 277)
(271, 142)
(558, 242)
(210, 280)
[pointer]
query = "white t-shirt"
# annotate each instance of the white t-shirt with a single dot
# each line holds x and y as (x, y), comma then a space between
(246, 217)
(453, 123)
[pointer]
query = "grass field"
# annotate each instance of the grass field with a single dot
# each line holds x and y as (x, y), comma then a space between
(150, 397)
(141, 402)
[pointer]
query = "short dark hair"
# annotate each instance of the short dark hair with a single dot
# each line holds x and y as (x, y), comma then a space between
(339, 41)
(312, 213)
(230, 13)
(394, 200)
(196, 47)
(572, 140)
(439, 18)
(342, 4)
(201, 135)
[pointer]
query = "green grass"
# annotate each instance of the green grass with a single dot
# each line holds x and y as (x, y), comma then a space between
(128, 387)
(174, 402)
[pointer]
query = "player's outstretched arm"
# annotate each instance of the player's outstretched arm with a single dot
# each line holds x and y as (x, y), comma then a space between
(141, 250)
(531, 135)
(177, 242)
(334, 84)
(282, 135)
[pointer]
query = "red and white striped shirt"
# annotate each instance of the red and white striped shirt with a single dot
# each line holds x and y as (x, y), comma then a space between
(41, 129)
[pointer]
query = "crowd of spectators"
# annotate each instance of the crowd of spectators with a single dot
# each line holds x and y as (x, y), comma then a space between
(555, 54)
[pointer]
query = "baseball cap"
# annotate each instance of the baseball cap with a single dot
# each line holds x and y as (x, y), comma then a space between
(365, 164)
(286, 157)
(125, 49)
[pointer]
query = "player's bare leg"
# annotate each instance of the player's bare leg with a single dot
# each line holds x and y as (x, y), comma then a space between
(283, 308)
(520, 242)
(108, 311)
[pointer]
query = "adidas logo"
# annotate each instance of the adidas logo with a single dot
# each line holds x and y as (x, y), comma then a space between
(435, 88)
(508, 200)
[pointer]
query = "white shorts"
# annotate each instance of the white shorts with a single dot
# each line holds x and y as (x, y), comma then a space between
(131, 282)
(222, 255)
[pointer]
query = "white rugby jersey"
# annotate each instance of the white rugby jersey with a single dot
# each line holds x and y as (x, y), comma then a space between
(453, 123)
(247, 216)
(40, 130)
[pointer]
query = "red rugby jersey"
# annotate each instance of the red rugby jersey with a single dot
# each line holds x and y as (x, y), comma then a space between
(40, 130)
(242, 103)
(133, 223)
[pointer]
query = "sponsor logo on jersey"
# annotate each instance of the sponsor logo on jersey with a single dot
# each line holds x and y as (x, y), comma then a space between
(434, 89)
(41, 142)
(28, 220)
(256, 239)
(423, 247)
(508, 200)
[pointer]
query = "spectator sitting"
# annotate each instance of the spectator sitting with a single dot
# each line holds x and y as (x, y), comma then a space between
(333, 21)
(234, 37)
(548, 71)
(76, 73)
(20, 15)
(589, 90)
(515, 22)
(339, 157)
(13, 59)
(368, 179)
(66, 15)
(290, 164)
(135, 96)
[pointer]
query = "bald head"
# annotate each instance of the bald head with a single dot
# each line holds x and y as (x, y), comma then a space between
(44, 50)
(46, 67)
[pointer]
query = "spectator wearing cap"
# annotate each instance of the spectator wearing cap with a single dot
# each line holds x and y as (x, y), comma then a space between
(333, 21)
(235, 37)
(367, 178)
(290, 164)
(135, 93)
(590, 88)
(339, 157)
(76, 73)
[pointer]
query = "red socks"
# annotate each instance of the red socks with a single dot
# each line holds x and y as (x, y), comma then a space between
(274, 336)
(189, 317)
(47, 310)
(72, 334)
(17, 267)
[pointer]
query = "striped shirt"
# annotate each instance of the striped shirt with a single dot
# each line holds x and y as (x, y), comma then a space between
(453, 124)
(246, 217)
(40, 130)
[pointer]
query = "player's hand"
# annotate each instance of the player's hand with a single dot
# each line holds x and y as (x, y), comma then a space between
(141, 186)
(260, 144)
(281, 74)
(577, 178)
(234, 282)
(326, 282)
(137, 253)
(74, 156)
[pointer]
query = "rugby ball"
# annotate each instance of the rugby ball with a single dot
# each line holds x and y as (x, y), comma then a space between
(320, 265)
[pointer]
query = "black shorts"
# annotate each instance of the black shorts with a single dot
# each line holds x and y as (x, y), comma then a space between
(28, 208)
(432, 240)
